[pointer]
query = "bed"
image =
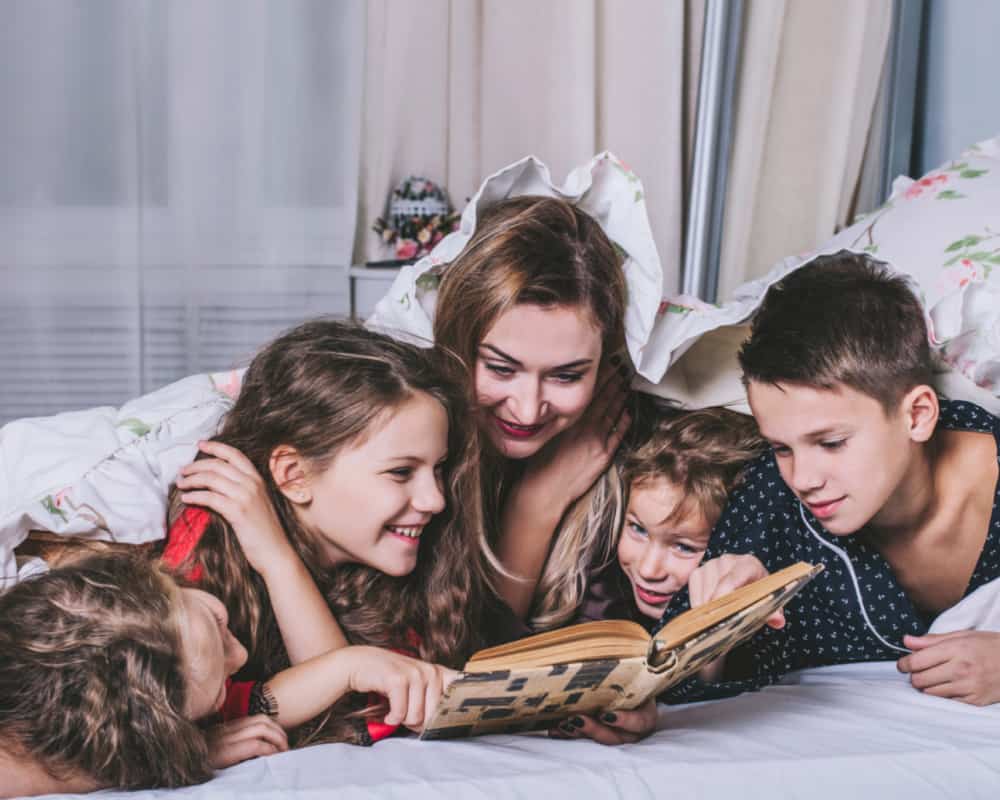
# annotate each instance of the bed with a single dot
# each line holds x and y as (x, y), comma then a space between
(851, 731)
(842, 733)
(833, 733)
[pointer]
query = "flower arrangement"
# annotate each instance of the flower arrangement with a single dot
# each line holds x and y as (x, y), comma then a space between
(419, 217)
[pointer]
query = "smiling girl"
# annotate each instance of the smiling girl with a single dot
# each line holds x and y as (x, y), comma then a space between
(321, 507)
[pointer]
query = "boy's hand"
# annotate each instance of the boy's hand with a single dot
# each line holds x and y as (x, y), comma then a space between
(963, 666)
(611, 727)
(230, 485)
(242, 739)
(412, 687)
(720, 576)
(726, 574)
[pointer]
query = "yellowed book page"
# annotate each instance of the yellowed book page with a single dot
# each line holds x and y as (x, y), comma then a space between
(600, 639)
(769, 593)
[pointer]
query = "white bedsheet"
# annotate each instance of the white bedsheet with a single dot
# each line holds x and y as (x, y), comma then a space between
(841, 733)
(847, 732)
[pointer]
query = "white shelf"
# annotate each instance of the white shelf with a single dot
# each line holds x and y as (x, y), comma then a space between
(366, 286)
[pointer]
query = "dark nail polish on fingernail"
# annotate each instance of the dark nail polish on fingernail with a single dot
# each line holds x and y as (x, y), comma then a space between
(609, 717)
(577, 722)
(567, 727)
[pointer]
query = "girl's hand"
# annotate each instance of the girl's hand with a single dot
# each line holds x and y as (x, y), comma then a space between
(242, 739)
(963, 666)
(229, 485)
(570, 464)
(611, 727)
(412, 687)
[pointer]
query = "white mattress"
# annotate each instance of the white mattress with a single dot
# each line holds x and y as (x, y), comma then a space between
(845, 732)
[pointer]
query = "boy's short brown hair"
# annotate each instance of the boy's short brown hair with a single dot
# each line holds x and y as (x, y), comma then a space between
(843, 319)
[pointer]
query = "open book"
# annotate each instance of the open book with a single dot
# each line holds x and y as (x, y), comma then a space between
(534, 683)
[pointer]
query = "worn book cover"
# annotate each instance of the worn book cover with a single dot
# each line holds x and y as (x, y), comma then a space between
(534, 683)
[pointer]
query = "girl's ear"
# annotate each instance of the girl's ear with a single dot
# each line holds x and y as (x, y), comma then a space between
(921, 409)
(288, 468)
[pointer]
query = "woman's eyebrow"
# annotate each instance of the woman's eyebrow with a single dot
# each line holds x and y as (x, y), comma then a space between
(502, 354)
(580, 362)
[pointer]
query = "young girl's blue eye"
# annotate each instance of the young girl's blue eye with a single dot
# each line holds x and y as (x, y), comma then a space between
(568, 377)
(401, 473)
(780, 450)
(833, 445)
(637, 529)
(688, 549)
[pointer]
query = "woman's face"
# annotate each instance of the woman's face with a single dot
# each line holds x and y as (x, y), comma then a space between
(536, 369)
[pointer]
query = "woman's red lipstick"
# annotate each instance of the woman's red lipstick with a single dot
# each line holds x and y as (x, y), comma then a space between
(518, 431)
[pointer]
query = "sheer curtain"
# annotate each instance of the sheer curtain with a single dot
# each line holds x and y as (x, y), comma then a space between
(457, 89)
(805, 102)
(179, 183)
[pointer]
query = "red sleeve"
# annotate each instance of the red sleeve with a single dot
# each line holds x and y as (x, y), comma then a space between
(237, 702)
(183, 537)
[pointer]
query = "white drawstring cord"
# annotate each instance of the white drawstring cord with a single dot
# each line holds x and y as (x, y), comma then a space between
(854, 578)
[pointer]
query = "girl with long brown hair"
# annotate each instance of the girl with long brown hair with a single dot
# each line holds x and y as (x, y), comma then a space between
(329, 509)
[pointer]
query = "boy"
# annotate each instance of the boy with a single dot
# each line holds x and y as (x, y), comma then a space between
(679, 468)
(893, 491)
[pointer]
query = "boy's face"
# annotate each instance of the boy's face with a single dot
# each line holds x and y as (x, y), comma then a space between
(837, 449)
(658, 552)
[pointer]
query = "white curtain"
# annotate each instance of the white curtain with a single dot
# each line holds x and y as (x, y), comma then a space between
(177, 184)
(806, 95)
(457, 89)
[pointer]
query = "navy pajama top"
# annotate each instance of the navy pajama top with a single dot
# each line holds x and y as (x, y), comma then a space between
(824, 623)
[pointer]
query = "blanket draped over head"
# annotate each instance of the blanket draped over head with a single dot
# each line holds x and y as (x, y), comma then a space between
(104, 473)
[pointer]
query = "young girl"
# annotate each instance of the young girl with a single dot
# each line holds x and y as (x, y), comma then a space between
(677, 469)
(326, 489)
(534, 308)
(108, 663)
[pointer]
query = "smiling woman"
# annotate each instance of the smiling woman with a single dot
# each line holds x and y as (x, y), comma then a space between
(534, 307)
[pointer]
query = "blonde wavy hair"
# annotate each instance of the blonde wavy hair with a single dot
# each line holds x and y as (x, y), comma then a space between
(92, 682)
(702, 452)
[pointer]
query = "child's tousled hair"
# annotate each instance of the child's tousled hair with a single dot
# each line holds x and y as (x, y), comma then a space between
(319, 388)
(92, 682)
(702, 452)
(540, 251)
(842, 319)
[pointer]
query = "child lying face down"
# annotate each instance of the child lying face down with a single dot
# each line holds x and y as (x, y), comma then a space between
(676, 469)
(108, 664)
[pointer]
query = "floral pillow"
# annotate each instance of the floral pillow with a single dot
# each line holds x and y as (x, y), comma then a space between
(942, 232)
